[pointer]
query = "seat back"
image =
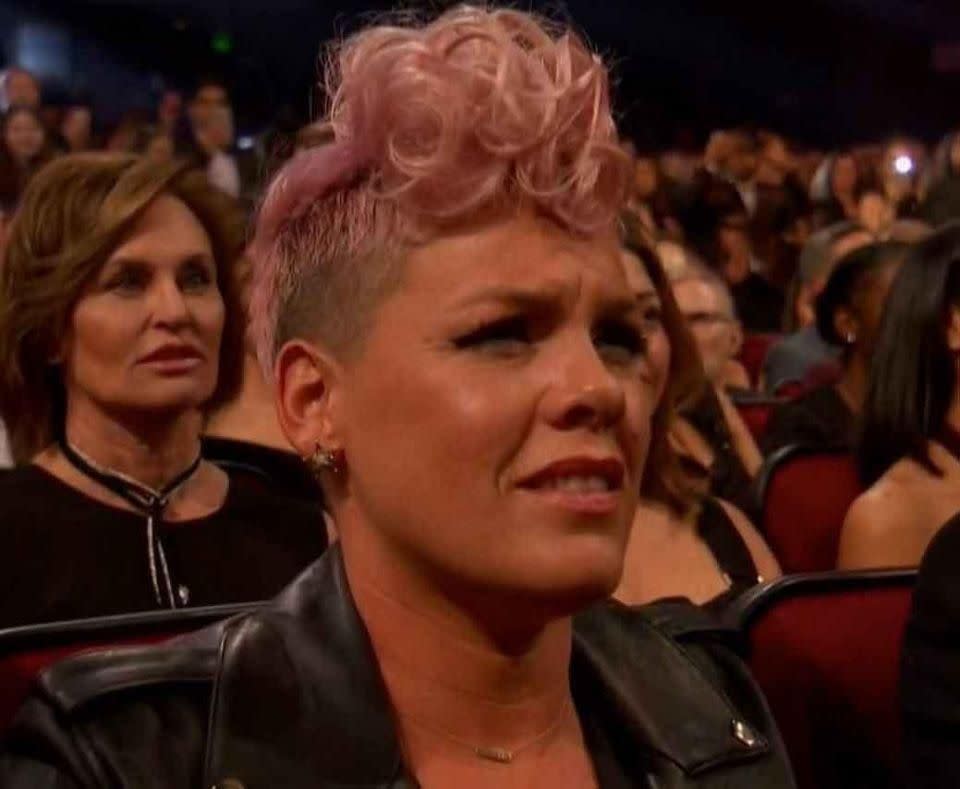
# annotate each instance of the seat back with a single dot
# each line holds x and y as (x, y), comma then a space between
(754, 351)
(26, 651)
(755, 411)
(804, 496)
(825, 649)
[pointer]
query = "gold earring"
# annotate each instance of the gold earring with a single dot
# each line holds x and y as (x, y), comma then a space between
(324, 460)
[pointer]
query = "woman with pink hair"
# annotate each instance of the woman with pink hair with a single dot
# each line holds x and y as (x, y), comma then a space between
(440, 298)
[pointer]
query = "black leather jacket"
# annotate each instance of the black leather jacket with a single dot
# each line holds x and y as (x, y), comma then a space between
(290, 697)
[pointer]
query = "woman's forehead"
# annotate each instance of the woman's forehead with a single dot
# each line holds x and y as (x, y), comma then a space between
(521, 254)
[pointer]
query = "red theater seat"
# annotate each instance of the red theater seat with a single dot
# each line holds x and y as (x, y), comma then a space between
(27, 651)
(754, 351)
(755, 412)
(825, 649)
(804, 498)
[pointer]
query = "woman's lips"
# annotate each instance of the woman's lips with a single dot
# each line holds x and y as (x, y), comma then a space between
(173, 359)
(584, 485)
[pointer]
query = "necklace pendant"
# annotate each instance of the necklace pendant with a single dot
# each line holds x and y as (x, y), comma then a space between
(499, 755)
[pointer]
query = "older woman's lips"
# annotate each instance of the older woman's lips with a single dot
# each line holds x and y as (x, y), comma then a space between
(590, 486)
(173, 359)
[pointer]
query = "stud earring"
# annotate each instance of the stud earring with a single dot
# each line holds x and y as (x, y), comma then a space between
(325, 460)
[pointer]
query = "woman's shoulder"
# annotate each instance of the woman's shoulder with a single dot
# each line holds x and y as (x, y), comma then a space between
(28, 486)
(882, 526)
(700, 676)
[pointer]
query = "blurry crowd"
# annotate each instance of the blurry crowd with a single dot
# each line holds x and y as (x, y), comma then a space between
(199, 128)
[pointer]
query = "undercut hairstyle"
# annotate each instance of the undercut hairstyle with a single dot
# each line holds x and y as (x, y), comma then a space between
(74, 214)
(434, 126)
(913, 377)
(664, 479)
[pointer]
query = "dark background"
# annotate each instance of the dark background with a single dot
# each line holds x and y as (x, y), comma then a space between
(826, 72)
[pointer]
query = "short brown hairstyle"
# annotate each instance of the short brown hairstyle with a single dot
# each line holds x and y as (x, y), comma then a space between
(76, 211)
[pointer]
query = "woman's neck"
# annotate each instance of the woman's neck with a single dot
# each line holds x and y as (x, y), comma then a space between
(251, 416)
(151, 449)
(852, 385)
(449, 679)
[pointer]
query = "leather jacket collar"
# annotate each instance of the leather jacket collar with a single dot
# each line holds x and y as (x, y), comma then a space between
(299, 701)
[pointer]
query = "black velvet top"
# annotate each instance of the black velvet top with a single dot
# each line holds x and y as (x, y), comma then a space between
(64, 555)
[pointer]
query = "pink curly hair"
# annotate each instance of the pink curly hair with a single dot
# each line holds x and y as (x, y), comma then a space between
(477, 113)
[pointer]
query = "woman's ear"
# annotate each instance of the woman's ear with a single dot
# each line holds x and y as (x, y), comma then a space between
(846, 325)
(953, 330)
(307, 391)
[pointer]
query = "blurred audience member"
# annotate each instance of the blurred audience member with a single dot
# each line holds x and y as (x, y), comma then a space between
(707, 307)
(909, 448)
(211, 121)
(76, 128)
(119, 329)
(129, 133)
(848, 317)
(19, 88)
(684, 542)
(733, 156)
(758, 303)
(23, 151)
(158, 147)
(649, 202)
(793, 358)
(875, 212)
(170, 113)
(833, 190)
(941, 200)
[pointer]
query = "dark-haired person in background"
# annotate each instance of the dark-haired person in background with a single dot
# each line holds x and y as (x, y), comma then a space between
(910, 435)
(803, 350)
(849, 311)
(833, 190)
(930, 662)
(24, 149)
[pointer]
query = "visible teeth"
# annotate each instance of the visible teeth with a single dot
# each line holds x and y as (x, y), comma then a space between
(591, 484)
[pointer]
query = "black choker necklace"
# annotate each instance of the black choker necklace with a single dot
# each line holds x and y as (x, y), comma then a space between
(151, 503)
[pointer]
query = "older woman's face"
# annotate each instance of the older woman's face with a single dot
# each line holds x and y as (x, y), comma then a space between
(145, 335)
(496, 421)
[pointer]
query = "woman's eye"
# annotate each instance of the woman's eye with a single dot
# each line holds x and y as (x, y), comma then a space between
(196, 277)
(620, 343)
(128, 281)
(505, 335)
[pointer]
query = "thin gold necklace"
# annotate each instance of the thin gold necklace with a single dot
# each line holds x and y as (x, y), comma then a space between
(492, 753)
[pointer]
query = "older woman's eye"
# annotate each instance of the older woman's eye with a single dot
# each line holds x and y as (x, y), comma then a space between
(128, 281)
(619, 343)
(196, 277)
(504, 335)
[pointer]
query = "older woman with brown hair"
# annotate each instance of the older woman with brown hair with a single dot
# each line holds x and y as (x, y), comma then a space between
(118, 330)
(440, 299)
